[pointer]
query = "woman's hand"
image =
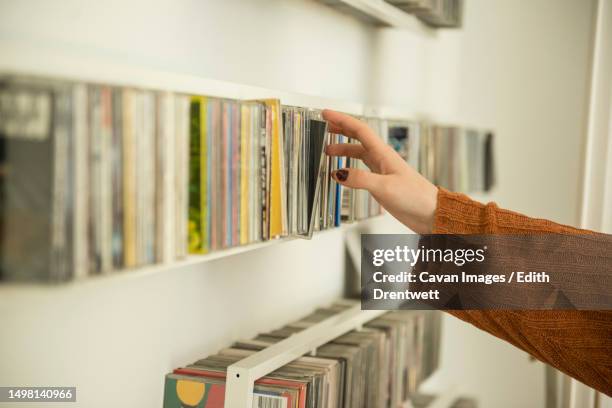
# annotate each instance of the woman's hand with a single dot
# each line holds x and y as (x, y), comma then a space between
(400, 189)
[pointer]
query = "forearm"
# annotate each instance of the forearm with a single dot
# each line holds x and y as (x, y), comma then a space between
(578, 343)
(458, 214)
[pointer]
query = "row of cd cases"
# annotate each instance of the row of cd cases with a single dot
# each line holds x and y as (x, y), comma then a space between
(379, 365)
(96, 179)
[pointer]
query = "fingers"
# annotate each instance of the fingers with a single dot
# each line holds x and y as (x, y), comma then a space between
(349, 126)
(346, 150)
(357, 178)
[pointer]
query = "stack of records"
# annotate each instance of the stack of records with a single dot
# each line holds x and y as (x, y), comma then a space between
(380, 365)
(259, 172)
(457, 159)
(96, 179)
(92, 178)
(436, 13)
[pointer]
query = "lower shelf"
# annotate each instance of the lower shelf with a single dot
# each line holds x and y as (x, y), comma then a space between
(241, 375)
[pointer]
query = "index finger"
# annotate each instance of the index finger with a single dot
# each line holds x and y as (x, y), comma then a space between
(352, 127)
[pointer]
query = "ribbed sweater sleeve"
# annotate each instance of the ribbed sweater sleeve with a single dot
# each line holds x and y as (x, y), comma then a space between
(578, 343)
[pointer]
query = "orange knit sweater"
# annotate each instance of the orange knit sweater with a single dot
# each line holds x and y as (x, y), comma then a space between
(579, 343)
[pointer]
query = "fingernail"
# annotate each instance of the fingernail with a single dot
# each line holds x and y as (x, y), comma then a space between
(341, 175)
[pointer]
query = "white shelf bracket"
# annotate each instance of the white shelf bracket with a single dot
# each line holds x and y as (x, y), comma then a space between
(242, 374)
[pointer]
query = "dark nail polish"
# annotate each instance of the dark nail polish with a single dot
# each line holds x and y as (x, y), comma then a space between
(341, 175)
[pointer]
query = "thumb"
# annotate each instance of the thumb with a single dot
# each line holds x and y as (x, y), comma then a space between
(357, 178)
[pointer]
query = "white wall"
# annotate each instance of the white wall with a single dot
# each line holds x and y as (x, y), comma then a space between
(292, 45)
(596, 211)
(525, 71)
(519, 67)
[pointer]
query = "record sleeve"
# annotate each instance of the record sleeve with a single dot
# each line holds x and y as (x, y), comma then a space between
(207, 390)
(117, 187)
(130, 213)
(181, 174)
(33, 179)
(198, 176)
(81, 182)
(277, 201)
(317, 136)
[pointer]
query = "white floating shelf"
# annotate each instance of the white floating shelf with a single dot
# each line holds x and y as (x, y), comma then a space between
(190, 260)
